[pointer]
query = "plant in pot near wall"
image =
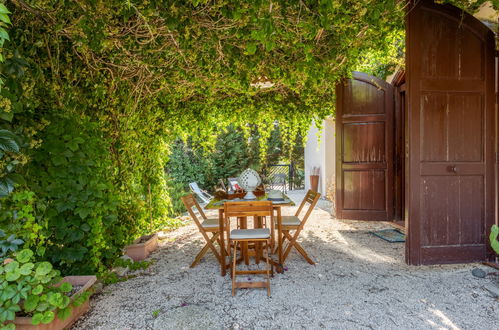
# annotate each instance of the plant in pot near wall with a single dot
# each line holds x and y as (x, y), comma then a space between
(314, 178)
(494, 238)
(34, 296)
(142, 247)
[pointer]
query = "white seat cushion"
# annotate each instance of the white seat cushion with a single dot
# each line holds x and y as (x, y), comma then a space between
(260, 233)
(210, 223)
(290, 220)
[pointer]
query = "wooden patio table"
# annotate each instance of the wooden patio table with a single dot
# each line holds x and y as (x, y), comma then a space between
(218, 204)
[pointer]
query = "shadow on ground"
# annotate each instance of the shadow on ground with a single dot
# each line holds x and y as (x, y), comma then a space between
(359, 281)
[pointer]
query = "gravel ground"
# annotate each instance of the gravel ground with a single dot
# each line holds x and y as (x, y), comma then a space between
(359, 281)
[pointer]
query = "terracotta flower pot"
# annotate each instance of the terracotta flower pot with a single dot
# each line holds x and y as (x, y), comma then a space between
(139, 251)
(24, 323)
(314, 182)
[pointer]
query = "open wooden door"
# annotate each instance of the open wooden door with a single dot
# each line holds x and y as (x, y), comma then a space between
(450, 98)
(364, 148)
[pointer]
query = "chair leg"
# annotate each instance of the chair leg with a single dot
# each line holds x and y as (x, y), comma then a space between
(203, 251)
(294, 243)
(258, 251)
(258, 221)
(268, 259)
(227, 233)
(303, 253)
(268, 268)
(283, 241)
(288, 247)
(234, 270)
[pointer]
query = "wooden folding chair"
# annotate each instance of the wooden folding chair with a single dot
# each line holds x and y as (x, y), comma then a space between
(257, 236)
(207, 226)
(293, 223)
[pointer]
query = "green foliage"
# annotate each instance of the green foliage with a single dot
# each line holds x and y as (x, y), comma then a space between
(4, 24)
(9, 244)
(494, 241)
(9, 144)
(187, 164)
(190, 162)
(97, 93)
(231, 156)
(32, 288)
(71, 171)
(18, 216)
(132, 265)
(110, 277)
(175, 191)
(233, 152)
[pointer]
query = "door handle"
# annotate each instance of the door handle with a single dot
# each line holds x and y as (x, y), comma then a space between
(452, 168)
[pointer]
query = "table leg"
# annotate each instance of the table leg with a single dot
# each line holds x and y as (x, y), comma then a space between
(244, 245)
(279, 235)
(222, 240)
(272, 231)
(258, 223)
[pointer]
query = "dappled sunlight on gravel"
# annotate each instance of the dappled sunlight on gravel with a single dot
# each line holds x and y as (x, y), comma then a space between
(359, 281)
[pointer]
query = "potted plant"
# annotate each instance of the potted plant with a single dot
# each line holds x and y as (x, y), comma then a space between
(34, 296)
(142, 247)
(314, 178)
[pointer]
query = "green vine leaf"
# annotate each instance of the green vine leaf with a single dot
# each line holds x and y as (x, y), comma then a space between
(3, 9)
(5, 18)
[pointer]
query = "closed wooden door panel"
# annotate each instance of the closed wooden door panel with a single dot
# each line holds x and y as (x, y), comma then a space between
(364, 190)
(451, 135)
(364, 168)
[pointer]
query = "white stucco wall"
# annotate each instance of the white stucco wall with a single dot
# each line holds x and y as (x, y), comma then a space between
(321, 154)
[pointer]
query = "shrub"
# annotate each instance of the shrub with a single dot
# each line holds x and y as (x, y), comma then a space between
(494, 242)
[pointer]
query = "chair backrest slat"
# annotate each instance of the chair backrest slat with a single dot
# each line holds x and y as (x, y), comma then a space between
(247, 209)
(311, 198)
(193, 207)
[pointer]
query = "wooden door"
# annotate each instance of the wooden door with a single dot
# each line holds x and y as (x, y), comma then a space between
(450, 98)
(364, 149)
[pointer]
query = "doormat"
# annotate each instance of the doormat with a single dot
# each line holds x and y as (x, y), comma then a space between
(390, 235)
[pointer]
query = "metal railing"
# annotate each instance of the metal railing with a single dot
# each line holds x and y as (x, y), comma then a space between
(279, 177)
